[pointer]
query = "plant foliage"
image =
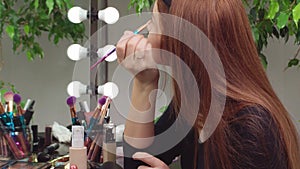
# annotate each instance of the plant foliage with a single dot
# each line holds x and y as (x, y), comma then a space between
(24, 21)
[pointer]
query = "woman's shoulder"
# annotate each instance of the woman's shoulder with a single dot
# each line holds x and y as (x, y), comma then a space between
(255, 133)
(253, 115)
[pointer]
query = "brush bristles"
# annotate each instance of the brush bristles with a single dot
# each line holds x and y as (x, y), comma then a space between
(102, 100)
(17, 99)
(9, 96)
(71, 100)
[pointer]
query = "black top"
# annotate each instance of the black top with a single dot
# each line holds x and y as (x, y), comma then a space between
(263, 147)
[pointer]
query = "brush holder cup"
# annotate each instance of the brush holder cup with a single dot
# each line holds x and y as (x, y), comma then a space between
(15, 142)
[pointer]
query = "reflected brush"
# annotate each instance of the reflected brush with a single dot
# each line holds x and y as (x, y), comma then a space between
(71, 103)
(94, 119)
(104, 110)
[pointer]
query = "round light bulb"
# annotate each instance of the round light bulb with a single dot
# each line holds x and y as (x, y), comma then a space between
(110, 15)
(77, 14)
(76, 52)
(108, 89)
(76, 89)
(105, 50)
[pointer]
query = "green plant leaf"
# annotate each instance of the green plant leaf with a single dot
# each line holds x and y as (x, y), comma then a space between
(26, 29)
(282, 19)
(36, 4)
(273, 9)
(29, 55)
(59, 4)
(255, 34)
(296, 14)
(293, 62)
(263, 60)
(68, 3)
(50, 5)
(10, 30)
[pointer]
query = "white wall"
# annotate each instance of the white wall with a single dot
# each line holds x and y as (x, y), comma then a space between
(286, 83)
(45, 80)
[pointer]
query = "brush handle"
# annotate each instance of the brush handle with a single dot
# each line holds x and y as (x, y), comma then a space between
(2, 110)
(18, 154)
(93, 121)
(75, 121)
(11, 117)
(91, 149)
(23, 142)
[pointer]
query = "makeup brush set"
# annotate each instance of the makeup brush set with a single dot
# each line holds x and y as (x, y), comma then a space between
(97, 126)
(14, 131)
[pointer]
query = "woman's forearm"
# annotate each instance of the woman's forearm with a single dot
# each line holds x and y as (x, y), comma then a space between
(139, 127)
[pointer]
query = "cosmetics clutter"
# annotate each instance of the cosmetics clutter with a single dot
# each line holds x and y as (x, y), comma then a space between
(14, 120)
(99, 144)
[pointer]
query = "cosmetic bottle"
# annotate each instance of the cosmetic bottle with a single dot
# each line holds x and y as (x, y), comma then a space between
(35, 143)
(48, 136)
(78, 152)
(109, 142)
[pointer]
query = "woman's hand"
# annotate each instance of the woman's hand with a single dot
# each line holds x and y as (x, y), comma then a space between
(135, 54)
(155, 163)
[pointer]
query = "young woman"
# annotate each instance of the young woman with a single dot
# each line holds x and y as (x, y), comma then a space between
(255, 130)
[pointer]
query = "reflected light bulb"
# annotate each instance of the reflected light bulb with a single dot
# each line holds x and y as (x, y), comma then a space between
(77, 14)
(76, 52)
(76, 89)
(105, 50)
(110, 15)
(108, 89)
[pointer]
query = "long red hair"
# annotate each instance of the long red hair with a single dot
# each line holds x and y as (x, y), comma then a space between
(226, 25)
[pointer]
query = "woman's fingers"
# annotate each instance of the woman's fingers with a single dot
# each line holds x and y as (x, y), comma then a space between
(150, 160)
(121, 45)
(140, 49)
(132, 44)
(135, 54)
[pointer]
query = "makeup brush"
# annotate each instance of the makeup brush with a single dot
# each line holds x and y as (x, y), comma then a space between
(84, 108)
(71, 103)
(20, 119)
(94, 119)
(3, 116)
(18, 154)
(104, 110)
(9, 97)
(2, 110)
(17, 100)
(137, 31)
(141, 28)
